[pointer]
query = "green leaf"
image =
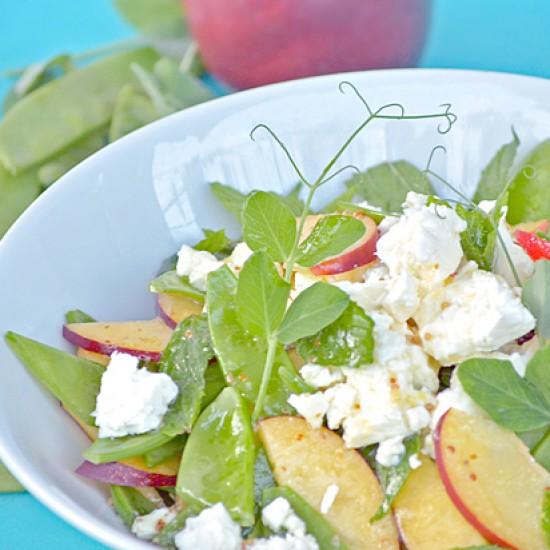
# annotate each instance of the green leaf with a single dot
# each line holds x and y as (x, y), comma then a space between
(240, 353)
(313, 309)
(392, 478)
(529, 198)
(546, 515)
(538, 370)
(111, 450)
(330, 236)
(316, 524)
(261, 295)
(214, 242)
(263, 477)
(495, 176)
(16, 193)
(508, 399)
(72, 380)
(377, 215)
(171, 283)
(78, 316)
(294, 382)
(536, 297)
(386, 185)
(37, 75)
(269, 224)
(478, 239)
(541, 452)
(8, 484)
(65, 110)
(232, 200)
(165, 452)
(185, 360)
(129, 503)
(347, 342)
(132, 110)
(218, 461)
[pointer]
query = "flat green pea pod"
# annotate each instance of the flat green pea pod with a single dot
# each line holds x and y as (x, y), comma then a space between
(529, 192)
(65, 110)
(130, 503)
(218, 460)
(161, 454)
(72, 380)
(316, 525)
(241, 355)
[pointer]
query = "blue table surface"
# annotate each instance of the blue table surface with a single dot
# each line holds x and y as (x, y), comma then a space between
(501, 35)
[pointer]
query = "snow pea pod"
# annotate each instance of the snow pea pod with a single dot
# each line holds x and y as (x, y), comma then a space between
(72, 380)
(218, 460)
(65, 110)
(240, 353)
(316, 524)
(164, 452)
(129, 503)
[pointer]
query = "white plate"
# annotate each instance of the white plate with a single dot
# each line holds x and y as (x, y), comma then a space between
(95, 239)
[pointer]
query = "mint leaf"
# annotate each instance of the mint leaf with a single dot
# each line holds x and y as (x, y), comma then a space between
(269, 224)
(232, 200)
(261, 295)
(386, 185)
(185, 360)
(330, 236)
(313, 309)
(348, 341)
(530, 189)
(538, 370)
(478, 239)
(508, 399)
(536, 297)
(171, 283)
(214, 242)
(393, 478)
(496, 174)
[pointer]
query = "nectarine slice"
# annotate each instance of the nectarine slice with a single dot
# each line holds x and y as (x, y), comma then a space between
(173, 308)
(308, 461)
(426, 517)
(492, 480)
(98, 358)
(144, 339)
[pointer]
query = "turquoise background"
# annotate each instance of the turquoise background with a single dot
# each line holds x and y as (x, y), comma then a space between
(501, 35)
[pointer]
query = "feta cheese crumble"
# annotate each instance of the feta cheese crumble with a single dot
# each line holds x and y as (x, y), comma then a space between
(312, 406)
(131, 400)
(329, 497)
(318, 376)
(147, 526)
(477, 312)
(196, 264)
(212, 529)
(390, 451)
(238, 257)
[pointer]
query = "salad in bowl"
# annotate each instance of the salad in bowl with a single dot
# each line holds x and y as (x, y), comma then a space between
(375, 374)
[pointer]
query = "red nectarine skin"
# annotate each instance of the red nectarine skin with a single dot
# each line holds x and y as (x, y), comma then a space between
(165, 316)
(248, 43)
(120, 474)
(453, 495)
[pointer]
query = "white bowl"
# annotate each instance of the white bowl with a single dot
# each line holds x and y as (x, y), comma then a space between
(96, 238)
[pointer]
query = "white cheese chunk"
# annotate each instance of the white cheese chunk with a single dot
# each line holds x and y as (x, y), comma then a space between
(212, 529)
(312, 406)
(286, 542)
(390, 451)
(147, 526)
(278, 514)
(131, 400)
(318, 376)
(329, 497)
(414, 461)
(238, 257)
(196, 264)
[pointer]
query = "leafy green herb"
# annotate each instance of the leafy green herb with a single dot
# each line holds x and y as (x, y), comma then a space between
(263, 477)
(536, 297)
(72, 380)
(261, 295)
(511, 401)
(8, 484)
(113, 449)
(232, 200)
(496, 175)
(538, 370)
(269, 224)
(386, 185)
(530, 189)
(541, 452)
(393, 478)
(214, 242)
(478, 239)
(132, 110)
(330, 236)
(348, 341)
(129, 503)
(185, 359)
(375, 214)
(293, 382)
(78, 316)
(218, 461)
(313, 309)
(214, 383)
(316, 524)
(65, 110)
(171, 283)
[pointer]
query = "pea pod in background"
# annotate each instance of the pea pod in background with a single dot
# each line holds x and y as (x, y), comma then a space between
(67, 109)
